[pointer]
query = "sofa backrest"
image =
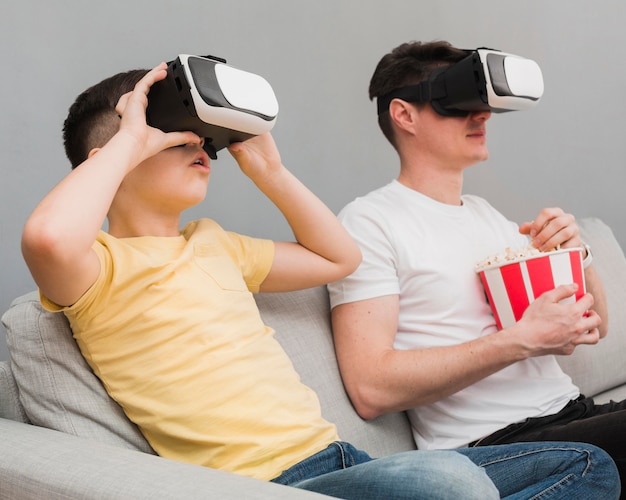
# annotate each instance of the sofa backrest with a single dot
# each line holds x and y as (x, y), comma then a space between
(58, 390)
(56, 387)
(302, 324)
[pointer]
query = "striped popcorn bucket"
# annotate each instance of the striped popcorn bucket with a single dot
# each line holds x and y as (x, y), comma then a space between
(512, 286)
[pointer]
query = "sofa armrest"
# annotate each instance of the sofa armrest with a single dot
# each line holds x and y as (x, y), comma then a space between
(36, 462)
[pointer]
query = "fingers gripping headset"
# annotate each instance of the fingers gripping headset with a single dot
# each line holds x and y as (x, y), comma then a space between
(216, 101)
(486, 79)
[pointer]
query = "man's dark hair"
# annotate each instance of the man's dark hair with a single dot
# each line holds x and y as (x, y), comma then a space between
(408, 64)
(92, 119)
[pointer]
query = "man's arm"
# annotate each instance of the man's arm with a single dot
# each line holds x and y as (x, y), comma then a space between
(58, 236)
(381, 379)
(324, 250)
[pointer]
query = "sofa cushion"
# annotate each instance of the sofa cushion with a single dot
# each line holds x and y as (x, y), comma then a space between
(302, 323)
(57, 389)
(602, 367)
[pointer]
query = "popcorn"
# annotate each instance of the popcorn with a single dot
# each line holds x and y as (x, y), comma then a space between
(509, 255)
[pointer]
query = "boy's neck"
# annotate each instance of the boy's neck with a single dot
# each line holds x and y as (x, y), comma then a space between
(132, 228)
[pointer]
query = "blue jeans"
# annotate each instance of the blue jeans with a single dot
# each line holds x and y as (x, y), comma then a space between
(582, 420)
(517, 471)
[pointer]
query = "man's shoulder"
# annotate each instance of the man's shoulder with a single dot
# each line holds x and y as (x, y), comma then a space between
(475, 202)
(370, 201)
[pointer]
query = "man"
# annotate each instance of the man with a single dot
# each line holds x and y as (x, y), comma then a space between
(413, 329)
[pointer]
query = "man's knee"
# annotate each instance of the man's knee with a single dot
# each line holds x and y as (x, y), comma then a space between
(445, 473)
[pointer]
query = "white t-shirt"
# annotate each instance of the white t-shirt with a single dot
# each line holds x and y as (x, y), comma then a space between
(425, 252)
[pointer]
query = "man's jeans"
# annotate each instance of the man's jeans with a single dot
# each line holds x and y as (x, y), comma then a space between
(582, 420)
(518, 471)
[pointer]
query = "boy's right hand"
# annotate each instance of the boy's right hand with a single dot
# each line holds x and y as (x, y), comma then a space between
(132, 110)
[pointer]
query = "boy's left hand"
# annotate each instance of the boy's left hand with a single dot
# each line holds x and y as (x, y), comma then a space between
(258, 157)
(552, 228)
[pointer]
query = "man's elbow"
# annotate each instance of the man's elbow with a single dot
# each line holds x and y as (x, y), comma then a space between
(604, 327)
(366, 401)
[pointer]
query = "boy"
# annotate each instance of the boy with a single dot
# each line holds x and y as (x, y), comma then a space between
(166, 317)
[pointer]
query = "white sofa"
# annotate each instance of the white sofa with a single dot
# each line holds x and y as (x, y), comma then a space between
(63, 437)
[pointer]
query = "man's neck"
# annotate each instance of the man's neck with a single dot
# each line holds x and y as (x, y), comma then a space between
(442, 185)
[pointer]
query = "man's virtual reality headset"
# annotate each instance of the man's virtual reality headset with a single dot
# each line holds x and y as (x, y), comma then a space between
(484, 80)
(220, 103)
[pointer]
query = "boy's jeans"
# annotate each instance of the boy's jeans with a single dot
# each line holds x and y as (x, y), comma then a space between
(518, 471)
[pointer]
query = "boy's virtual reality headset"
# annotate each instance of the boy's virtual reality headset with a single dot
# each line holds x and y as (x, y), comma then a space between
(484, 80)
(212, 99)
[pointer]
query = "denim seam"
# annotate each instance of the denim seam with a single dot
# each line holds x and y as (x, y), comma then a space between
(547, 490)
(533, 452)
(564, 480)
(343, 455)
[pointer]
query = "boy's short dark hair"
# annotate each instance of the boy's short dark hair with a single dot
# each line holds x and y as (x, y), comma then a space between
(92, 119)
(408, 64)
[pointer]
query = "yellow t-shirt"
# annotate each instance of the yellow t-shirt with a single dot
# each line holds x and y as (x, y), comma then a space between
(172, 330)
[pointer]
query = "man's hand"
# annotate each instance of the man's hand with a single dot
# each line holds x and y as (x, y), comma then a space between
(551, 229)
(551, 327)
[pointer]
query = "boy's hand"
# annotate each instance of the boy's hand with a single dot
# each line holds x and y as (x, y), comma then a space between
(323, 251)
(132, 110)
(258, 157)
(552, 228)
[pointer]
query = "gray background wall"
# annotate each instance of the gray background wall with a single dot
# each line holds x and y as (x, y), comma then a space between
(319, 56)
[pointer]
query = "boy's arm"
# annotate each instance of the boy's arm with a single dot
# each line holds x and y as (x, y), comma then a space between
(324, 251)
(58, 236)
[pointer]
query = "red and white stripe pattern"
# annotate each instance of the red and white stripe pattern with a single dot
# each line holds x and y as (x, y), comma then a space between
(512, 287)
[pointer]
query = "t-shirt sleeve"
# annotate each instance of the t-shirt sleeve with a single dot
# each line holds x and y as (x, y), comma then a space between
(255, 257)
(377, 274)
(105, 267)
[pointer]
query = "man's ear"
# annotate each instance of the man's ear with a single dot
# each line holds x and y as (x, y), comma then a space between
(92, 152)
(403, 114)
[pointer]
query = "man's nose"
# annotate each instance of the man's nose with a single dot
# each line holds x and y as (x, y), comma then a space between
(482, 115)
